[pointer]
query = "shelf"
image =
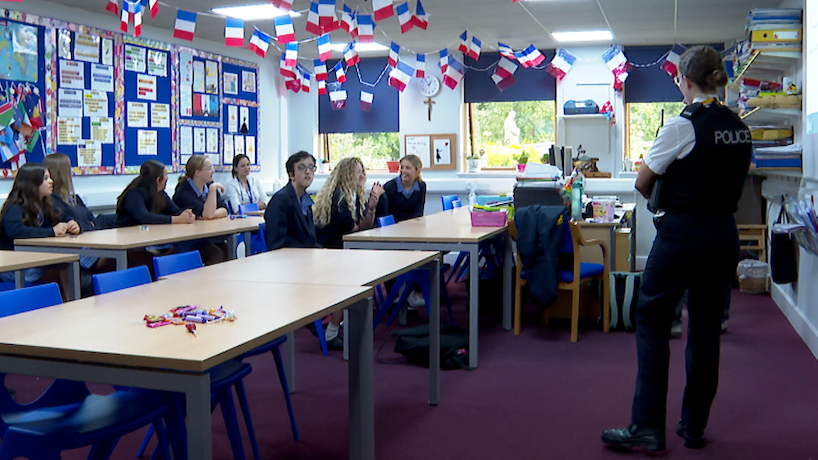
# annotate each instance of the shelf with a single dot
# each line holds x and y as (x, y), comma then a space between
(583, 116)
(771, 114)
(766, 61)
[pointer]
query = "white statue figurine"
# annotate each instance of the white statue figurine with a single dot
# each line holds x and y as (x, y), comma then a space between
(511, 133)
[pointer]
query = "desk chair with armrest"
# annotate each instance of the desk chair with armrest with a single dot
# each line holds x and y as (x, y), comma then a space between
(568, 279)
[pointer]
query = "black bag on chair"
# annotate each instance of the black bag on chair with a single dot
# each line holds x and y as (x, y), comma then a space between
(783, 254)
(624, 289)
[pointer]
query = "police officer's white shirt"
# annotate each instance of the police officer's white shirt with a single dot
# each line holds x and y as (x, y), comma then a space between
(675, 141)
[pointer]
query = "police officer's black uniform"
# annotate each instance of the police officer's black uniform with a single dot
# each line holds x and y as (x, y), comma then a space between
(696, 249)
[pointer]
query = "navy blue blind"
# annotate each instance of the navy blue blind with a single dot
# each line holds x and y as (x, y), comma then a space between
(385, 114)
(530, 85)
(651, 84)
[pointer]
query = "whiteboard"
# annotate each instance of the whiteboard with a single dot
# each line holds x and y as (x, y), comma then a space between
(420, 146)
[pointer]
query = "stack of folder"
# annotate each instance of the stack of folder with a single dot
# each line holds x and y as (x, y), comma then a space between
(775, 29)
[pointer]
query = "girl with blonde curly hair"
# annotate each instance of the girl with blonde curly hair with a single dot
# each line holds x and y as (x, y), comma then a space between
(342, 207)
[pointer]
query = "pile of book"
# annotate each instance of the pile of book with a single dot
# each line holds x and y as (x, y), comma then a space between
(775, 29)
(773, 147)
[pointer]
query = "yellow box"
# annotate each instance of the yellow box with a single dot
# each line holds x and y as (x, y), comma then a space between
(782, 35)
(771, 134)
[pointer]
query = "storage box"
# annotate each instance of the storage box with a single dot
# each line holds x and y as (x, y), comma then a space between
(489, 218)
(752, 276)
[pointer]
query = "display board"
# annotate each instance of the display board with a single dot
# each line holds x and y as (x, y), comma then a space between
(25, 51)
(200, 126)
(240, 125)
(149, 69)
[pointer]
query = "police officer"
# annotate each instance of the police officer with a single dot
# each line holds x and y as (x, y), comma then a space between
(697, 165)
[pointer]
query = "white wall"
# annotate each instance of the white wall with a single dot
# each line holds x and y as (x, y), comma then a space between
(101, 191)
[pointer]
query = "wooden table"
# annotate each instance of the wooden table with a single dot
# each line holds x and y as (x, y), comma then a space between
(444, 231)
(11, 261)
(114, 243)
(336, 267)
(254, 213)
(603, 230)
(103, 339)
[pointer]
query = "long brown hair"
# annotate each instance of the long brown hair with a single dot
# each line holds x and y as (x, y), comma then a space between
(195, 163)
(59, 165)
(26, 193)
(343, 177)
(146, 180)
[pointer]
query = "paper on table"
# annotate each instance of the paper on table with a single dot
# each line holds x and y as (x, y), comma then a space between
(147, 142)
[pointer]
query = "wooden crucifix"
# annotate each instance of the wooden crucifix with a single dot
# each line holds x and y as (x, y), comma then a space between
(429, 103)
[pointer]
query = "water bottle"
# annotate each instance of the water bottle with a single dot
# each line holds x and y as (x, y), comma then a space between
(577, 187)
(472, 198)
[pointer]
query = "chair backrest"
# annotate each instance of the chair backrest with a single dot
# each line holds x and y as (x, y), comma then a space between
(28, 299)
(122, 279)
(244, 208)
(175, 263)
(457, 204)
(570, 234)
(262, 234)
(386, 220)
(447, 200)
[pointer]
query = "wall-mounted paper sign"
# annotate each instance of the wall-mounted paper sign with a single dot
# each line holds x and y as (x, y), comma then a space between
(147, 142)
(72, 74)
(146, 87)
(160, 115)
(137, 114)
(95, 103)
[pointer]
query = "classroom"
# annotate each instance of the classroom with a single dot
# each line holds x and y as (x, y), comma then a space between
(507, 104)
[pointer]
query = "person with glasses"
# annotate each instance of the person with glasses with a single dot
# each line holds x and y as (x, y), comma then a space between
(696, 250)
(244, 189)
(289, 214)
(197, 191)
(342, 206)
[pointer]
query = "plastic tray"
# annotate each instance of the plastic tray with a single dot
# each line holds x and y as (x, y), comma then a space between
(489, 219)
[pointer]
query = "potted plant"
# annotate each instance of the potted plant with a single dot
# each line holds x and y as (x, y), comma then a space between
(473, 163)
(323, 166)
(522, 160)
(393, 165)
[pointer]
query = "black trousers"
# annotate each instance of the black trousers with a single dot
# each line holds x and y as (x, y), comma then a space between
(693, 253)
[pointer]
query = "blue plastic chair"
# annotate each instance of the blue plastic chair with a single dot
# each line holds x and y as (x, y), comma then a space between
(407, 281)
(258, 243)
(175, 263)
(67, 416)
(245, 208)
(457, 204)
(122, 279)
(447, 200)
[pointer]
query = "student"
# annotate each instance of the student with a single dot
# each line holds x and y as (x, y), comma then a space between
(244, 189)
(696, 249)
(342, 207)
(289, 215)
(144, 200)
(29, 212)
(405, 195)
(197, 191)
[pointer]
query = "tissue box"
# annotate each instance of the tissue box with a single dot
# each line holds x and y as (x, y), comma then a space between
(489, 218)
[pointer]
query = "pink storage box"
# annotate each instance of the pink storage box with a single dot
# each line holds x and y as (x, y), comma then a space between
(489, 219)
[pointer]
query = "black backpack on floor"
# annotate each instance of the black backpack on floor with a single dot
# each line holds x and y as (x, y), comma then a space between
(413, 344)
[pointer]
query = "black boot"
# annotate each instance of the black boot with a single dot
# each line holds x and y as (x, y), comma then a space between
(635, 436)
(691, 441)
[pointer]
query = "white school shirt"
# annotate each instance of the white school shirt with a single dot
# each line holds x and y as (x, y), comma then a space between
(236, 194)
(675, 141)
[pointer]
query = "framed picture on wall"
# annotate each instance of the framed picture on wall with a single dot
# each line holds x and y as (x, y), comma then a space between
(436, 151)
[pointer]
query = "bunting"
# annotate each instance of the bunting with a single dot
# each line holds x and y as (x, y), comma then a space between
(394, 54)
(420, 19)
(366, 101)
(444, 60)
(404, 17)
(420, 65)
(185, 25)
(366, 28)
(533, 57)
(291, 54)
(350, 55)
(347, 20)
(464, 43)
(561, 64)
(259, 43)
(154, 7)
(400, 76)
(113, 7)
(506, 51)
(326, 12)
(313, 19)
(454, 73)
(503, 75)
(306, 81)
(137, 18)
(338, 99)
(324, 50)
(123, 19)
(382, 9)
(285, 32)
(671, 63)
(234, 32)
(320, 69)
(322, 87)
(283, 5)
(616, 61)
(474, 48)
(288, 72)
(340, 75)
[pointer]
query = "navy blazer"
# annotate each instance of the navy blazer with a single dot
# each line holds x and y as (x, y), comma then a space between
(135, 210)
(287, 226)
(12, 227)
(77, 212)
(187, 198)
(398, 205)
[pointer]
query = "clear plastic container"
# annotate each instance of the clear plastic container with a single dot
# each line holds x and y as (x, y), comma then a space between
(752, 276)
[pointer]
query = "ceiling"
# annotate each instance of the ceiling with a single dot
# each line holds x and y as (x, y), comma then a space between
(633, 22)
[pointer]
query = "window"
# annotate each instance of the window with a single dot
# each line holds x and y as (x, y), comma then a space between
(644, 121)
(374, 149)
(487, 126)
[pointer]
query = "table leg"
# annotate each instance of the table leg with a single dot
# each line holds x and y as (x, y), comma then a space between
(346, 335)
(434, 333)
(197, 401)
(474, 303)
(232, 242)
(121, 260)
(361, 393)
(289, 361)
(74, 278)
(507, 286)
(19, 279)
(248, 251)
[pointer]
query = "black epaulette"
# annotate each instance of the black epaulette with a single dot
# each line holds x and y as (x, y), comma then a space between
(691, 110)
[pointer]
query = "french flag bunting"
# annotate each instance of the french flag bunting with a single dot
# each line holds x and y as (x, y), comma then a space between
(444, 60)
(522, 58)
(288, 72)
(353, 32)
(322, 87)
(313, 26)
(347, 19)
(350, 55)
(420, 19)
(366, 28)
(340, 75)
(561, 64)
(382, 9)
(185, 25)
(454, 73)
(335, 25)
(394, 54)
(400, 76)
(326, 12)
(285, 32)
(324, 50)
(506, 51)
(283, 5)
(474, 48)
(154, 7)
(306, 80)
(338, 99)
(112, 6)
(123, 19)
(503, 75)
(234, 32)
(291, 54)
(404, 17)
(420, 65)
(259, 43)
(616, 61)
(294, 84)
(320, 69)
(533, 56)
(366, 101)
(137, 20)
(464, 43)
(671, 63)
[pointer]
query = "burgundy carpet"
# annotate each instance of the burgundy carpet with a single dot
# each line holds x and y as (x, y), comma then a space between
(536, 396)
